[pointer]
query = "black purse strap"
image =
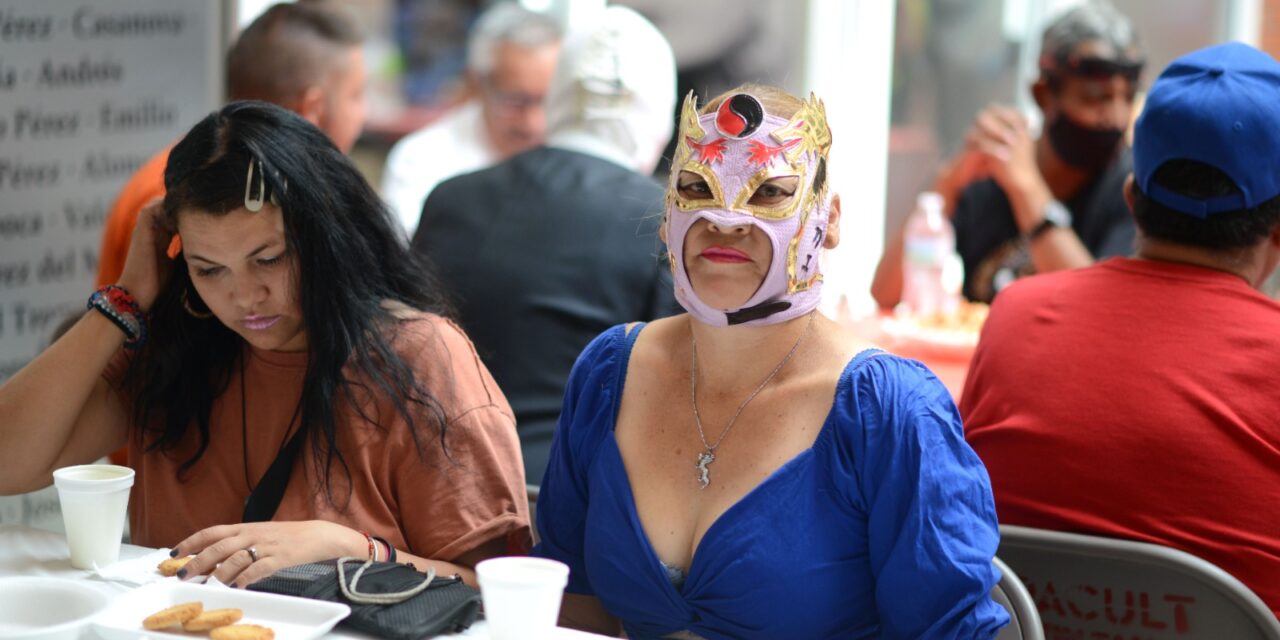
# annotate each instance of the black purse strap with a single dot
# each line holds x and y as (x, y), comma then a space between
(262, 503)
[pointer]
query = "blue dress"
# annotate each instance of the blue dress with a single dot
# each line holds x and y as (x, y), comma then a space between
(884, 528)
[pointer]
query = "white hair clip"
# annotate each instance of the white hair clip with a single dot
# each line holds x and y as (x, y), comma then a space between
(251, 203)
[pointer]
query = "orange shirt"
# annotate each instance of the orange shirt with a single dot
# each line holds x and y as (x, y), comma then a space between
(145, 185)
(431, 505)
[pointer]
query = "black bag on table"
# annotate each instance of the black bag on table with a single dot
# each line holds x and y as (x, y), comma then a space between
(445, 606)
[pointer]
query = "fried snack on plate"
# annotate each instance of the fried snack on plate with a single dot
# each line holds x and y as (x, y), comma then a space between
(213, 619)
(170, 567)
(176, 614)
(242, 632)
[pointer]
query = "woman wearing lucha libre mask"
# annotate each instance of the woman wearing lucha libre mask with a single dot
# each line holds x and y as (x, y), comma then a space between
(746, 469)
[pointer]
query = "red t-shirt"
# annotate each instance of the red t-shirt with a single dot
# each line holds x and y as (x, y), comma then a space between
(1136, 399)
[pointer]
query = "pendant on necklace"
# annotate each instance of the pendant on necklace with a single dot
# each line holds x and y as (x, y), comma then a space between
(704, 474)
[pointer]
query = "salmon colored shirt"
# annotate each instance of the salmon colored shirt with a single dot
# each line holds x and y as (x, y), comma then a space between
(431, 505)
(145, 185)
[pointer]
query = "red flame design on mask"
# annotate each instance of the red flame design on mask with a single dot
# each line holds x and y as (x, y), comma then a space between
(764, 155)
(707, 153)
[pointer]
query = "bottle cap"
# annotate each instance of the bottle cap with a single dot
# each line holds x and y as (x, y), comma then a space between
(930, 200)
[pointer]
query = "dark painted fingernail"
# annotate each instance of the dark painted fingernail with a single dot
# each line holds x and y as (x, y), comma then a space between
(173, 553)
(236, 585)
(182, 573)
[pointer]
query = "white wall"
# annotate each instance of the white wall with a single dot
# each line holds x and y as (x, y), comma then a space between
(848, 63)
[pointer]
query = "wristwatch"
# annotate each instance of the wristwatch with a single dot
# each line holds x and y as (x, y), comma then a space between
(1055, 214)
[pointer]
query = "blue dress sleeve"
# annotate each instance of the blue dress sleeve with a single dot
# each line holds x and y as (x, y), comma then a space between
(585, 417)
(931, 520)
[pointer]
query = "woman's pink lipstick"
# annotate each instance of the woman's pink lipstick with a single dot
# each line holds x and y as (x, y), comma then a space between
(725, 255)
(259, 323)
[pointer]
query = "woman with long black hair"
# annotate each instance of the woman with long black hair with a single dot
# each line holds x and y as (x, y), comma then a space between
(286, 316)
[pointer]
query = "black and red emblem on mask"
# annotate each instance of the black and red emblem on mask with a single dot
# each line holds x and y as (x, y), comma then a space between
(739, 116)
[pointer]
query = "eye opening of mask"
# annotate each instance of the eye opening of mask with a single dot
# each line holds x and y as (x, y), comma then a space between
(779, 208)
(775, 191)
(692, 186)
(693, 176)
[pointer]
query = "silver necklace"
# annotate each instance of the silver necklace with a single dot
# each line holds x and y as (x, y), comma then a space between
(708, 455)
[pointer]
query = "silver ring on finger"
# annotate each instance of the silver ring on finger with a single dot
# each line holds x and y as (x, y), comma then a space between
(253, 554)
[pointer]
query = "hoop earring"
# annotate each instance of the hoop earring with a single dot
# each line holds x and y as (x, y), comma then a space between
(191, 311)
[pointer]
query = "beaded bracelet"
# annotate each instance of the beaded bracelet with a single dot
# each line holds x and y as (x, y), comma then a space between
(120, 307)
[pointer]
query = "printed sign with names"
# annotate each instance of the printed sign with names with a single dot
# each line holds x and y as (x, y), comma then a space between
(89, 90)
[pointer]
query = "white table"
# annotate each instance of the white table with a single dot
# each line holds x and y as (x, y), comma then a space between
(34, 552)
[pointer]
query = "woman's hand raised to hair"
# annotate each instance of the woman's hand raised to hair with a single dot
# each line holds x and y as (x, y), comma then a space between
(147, 267)
(223, 551)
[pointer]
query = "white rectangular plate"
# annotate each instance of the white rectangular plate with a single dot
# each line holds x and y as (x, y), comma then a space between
(290, 618)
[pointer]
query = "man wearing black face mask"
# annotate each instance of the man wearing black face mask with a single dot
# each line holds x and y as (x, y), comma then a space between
(1054, 202)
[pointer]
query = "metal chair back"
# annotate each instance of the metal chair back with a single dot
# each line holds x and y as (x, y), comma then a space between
(1093, 587)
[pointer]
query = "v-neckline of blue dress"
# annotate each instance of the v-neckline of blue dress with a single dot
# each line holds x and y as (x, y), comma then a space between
(620, 471)
(883, 527)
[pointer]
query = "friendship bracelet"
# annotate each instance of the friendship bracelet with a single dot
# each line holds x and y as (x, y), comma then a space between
(120, 307)
(373, 549)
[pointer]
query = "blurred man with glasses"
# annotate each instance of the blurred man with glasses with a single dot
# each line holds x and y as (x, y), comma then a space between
(511, 56)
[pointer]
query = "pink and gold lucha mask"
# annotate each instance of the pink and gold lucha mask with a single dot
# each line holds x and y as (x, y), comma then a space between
(736, 150)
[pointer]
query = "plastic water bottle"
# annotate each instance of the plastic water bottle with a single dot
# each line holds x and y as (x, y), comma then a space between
(929, 269)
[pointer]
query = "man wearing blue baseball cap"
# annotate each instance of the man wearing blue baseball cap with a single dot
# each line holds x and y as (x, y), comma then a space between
(1136, 398)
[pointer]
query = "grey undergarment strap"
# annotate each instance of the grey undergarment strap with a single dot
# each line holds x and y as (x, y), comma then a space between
(674, 574)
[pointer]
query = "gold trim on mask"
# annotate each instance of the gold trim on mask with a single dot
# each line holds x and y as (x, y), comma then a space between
(794, 284)
(809, 126)
(777, 212)
(713, 183)
(689, 128)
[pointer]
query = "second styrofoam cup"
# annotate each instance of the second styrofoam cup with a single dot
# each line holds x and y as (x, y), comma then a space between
(521, 596)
